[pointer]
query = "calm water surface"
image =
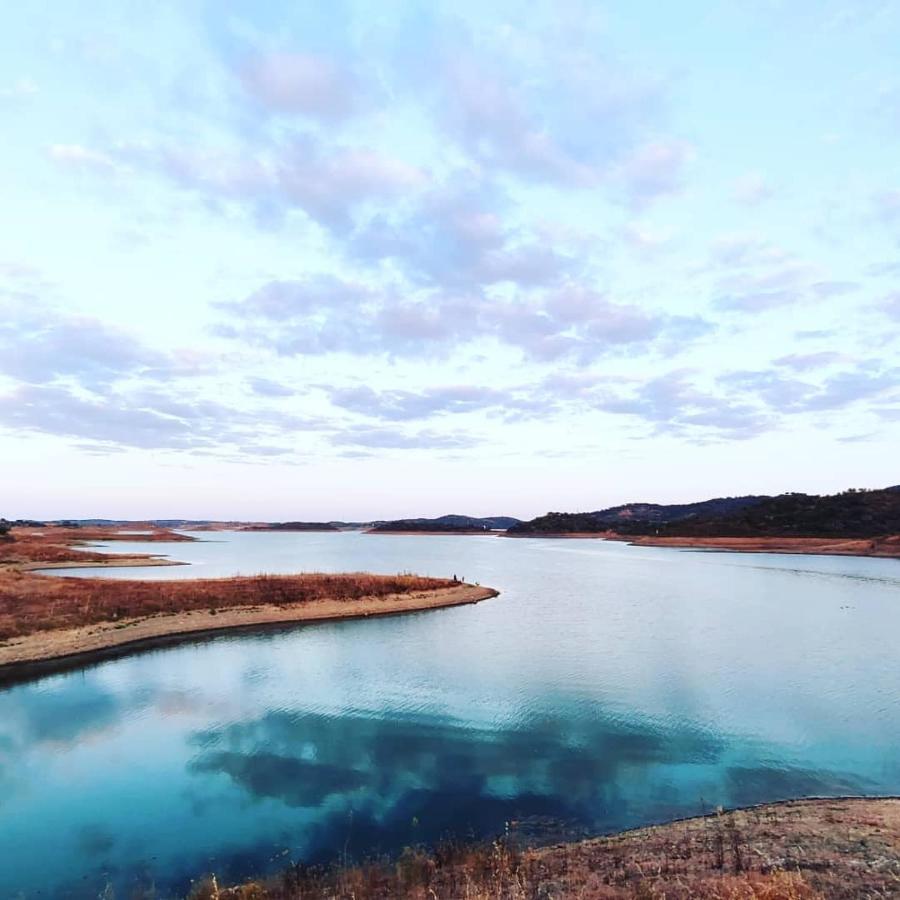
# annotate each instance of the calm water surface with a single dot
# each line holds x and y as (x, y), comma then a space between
(608, 686)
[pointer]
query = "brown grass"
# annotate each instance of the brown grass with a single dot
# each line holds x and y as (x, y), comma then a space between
(31, 603)
(57, 545)
(839, 849)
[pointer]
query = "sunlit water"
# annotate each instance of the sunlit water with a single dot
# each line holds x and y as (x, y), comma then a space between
(608, 686)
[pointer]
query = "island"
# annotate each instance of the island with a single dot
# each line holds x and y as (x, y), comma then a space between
(49, 622)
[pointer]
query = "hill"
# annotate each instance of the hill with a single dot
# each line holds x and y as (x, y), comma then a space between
(561, 523)
(851, 514)
(292, 526)
(673, 512)
(450, 524)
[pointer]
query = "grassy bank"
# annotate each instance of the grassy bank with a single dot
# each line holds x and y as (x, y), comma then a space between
(45, 617)
(788, 851)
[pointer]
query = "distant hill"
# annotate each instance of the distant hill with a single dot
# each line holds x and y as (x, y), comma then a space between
(450, 524)
(853, 513)
(638, 518)
(293, 526)
(673, 512)
(561, 523)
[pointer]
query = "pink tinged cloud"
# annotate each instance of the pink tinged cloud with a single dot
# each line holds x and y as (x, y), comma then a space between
(301, 83)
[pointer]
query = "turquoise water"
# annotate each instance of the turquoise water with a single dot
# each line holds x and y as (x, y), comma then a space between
(608, 686)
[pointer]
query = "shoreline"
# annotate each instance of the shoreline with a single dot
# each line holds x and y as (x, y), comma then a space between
(473, 532)
(44, 652)
(818, 848)
(114, 562)
(887, 547)
(876, 548)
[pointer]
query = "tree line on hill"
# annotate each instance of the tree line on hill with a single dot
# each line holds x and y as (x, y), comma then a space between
(855, 513)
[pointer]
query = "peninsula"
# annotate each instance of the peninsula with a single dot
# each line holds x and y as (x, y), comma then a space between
(49, 621)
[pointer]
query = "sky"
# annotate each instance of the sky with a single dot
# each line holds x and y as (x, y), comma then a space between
(300, 260)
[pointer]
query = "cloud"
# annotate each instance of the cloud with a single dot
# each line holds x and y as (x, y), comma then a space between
(752, 189)
(266, 387)
(75, 156)
(655, 170)
(645, 239)
(39, 344)
(751, 275)
(287, 300)
(408, 405)
(838, 391)
(828, 289)
(887, 205)
(804, 362)
(395, 439)
(20, 89)
(455, 235)
(152, 419)
(484, 113)
(59, 411)
(302, 318)
(326, 180)
(552, 106)
(890, 305)
(673, 404)
(300, 83)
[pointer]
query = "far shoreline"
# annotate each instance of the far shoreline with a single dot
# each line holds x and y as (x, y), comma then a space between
(887, 547)
(473, 532)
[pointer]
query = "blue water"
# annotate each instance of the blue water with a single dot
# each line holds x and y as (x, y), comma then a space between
(608, 686)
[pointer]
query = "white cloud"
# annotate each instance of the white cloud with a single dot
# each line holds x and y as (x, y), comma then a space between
(300, 83)
(77, 157)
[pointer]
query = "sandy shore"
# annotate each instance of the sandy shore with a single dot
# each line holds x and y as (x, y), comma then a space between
(63, 648)
(883, 546)
(114, 562)
(564, 535)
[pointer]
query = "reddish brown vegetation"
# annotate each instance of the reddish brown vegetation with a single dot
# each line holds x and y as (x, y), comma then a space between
(58, 545)
(794, 851)
(31, 603)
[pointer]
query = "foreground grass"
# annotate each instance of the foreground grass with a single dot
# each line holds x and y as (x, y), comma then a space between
(792, 851)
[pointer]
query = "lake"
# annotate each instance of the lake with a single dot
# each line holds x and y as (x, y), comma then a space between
(607, 687)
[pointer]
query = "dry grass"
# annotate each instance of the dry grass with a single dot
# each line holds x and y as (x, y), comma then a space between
(839, 849)
(493, 873)
(57, 545)
(32, 603)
